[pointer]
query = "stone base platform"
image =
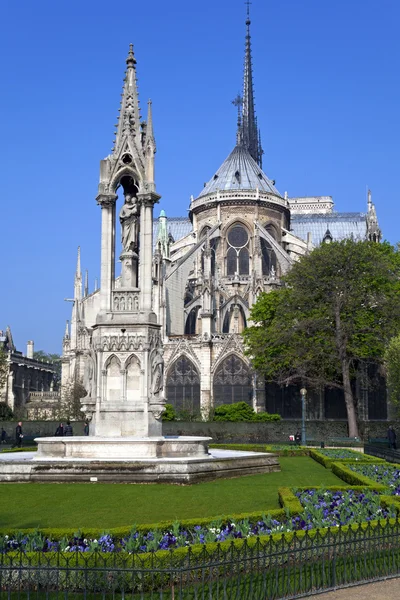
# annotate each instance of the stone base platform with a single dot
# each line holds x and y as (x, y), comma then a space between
(120, 448)
(217, 464)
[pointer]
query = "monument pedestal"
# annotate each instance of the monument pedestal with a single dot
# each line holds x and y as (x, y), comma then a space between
(72, 466)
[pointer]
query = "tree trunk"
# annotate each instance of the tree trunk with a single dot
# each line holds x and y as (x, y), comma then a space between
(349, 399)
(341, 343)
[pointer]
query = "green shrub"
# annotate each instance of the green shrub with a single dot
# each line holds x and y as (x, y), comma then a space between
(289, 501)
(169, 413)
(241, 411)
(6, 414)
(279, 449)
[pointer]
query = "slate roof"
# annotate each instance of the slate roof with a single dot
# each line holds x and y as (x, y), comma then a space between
(341, 225)
(178, 227)
(239, 172)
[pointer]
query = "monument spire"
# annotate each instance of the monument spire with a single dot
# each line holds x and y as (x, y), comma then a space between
(249, 137)
(129, 118)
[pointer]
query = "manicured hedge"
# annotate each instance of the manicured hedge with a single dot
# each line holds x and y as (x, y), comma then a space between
(120, 532)
(352, 478)
(274, 448)
(327, 461)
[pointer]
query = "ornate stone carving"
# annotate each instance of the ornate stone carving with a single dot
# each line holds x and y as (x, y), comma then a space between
(125, 301)
(126, 342)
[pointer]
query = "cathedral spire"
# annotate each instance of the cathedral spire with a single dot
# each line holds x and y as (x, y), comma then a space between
(86, 286)
(249, 137)
(78, 273)
(78, 277)
(129, 117)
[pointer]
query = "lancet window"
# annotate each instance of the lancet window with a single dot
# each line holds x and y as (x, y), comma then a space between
(183, 386)
(237, 256)
(232, 382)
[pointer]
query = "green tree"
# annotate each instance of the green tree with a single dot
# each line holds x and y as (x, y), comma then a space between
(338, 308)
(392, 366)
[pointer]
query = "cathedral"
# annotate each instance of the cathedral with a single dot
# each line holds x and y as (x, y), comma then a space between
(241, 235)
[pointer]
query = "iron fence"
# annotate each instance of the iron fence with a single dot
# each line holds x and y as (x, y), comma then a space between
(286, 566)
(382, 451)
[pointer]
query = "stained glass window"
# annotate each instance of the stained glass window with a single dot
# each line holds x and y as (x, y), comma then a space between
(232, 382)
(183, 386)
(237, 257)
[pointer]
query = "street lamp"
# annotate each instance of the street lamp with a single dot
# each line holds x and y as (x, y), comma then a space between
(303, 393)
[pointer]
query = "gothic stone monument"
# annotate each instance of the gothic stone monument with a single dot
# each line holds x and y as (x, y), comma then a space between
(124, 355)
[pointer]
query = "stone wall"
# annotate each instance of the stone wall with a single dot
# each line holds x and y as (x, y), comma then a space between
(228, 432)
(272, 432)
(39, 428)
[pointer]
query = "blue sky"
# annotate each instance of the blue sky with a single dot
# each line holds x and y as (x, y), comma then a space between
(327, 100)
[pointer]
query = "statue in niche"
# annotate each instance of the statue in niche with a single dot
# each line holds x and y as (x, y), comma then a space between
(128, 218)
(157, 372)
(89, 380)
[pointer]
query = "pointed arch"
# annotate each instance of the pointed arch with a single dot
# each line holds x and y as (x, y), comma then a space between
(112, 378)
(132, 377)
(237, 242)
(232, 381)
(183, 385)
(191, 321)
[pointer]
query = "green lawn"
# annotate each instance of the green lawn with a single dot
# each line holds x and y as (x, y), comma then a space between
(102, 505)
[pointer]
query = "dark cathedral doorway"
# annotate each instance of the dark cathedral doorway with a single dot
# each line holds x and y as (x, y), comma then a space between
(183, 386)
(232, 382)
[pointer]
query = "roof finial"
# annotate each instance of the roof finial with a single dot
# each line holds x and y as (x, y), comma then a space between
(78, 263)
(248, 12)
(149, 130)
(86, 286)
(131, 60)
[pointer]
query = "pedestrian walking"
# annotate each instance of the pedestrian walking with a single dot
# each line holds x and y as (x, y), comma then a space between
(18, 435)
(86, 428)
(297, 437)
(3, 435)
(60, 430)
(391, 434)
(68, 431)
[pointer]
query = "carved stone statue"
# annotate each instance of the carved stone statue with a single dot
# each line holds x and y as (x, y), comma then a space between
(89, 380)
(128, 218)
(157, 371)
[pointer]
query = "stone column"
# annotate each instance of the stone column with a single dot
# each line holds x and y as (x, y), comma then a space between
(147, 201)
(107, 203)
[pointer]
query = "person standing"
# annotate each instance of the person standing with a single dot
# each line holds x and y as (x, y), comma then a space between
(86, 428)
(60, 430)
(18, 435)
(68, 431)
(391, 434)
(3, 435)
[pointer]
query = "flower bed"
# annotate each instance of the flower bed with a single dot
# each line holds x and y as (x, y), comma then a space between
(328, 456)
(384, 474)
(320, 508)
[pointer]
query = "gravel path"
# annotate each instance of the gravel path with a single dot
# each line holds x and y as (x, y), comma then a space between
(382, 590)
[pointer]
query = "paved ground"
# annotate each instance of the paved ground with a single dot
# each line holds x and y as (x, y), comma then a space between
(383, 590)
(16, 456)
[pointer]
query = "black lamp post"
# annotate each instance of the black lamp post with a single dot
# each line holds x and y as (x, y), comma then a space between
(303, 393)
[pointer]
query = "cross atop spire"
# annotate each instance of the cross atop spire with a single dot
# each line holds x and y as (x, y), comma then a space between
(248, 134)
